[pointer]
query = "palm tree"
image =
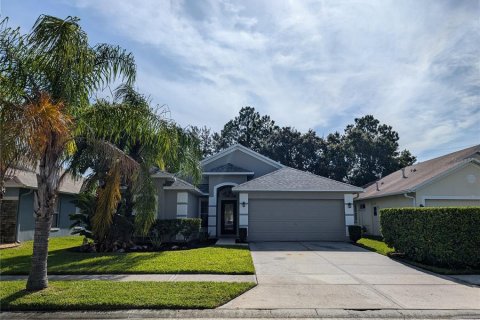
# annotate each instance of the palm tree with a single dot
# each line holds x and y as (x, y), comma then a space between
(152, 140)
(47, 78)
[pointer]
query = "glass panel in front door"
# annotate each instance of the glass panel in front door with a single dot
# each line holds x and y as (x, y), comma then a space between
(228, 217)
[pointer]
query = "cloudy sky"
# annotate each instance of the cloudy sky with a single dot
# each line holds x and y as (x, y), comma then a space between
(308, 64)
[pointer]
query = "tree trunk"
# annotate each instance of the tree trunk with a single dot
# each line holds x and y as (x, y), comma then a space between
(38, 280)
(48, 181)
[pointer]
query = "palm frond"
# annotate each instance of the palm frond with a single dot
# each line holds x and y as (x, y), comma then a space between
(145, 202)
(108, 197)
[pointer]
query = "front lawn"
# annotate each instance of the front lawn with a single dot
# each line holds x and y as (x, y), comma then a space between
(111, 295)
(63, 260)
(380, 247)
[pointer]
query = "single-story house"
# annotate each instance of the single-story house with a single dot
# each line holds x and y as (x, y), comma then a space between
(449, 180)
(241, 188)
(17, 221)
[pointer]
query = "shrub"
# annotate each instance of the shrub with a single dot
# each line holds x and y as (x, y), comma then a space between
(355, 232)
(436, 236)
(167, 230)
(190, 227)
(242, 233)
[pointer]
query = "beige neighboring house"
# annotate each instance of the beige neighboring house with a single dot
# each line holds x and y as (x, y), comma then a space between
(449, 180)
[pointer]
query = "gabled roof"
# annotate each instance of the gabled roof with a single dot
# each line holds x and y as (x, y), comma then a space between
(177, 183)
(228, 169)
(182, 185)
(246, 150)
(421, 174)
(289, 179)
(21, 178)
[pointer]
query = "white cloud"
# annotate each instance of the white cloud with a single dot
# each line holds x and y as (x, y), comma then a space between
(312, 64)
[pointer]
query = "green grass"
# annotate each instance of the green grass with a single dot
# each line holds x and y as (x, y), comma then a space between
(111, 295)
(380, 247)
(375, 245)
(62, 260)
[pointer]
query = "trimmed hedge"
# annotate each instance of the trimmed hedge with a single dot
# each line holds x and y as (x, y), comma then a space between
(167, 230)
(435, 236)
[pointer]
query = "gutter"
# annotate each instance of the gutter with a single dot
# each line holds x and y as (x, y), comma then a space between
(410, 197)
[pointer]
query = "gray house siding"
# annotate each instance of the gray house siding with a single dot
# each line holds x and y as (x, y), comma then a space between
(219, 179)
(170, 204)
(192, 211)
(242, 160)
(26, 221)
(66, 207)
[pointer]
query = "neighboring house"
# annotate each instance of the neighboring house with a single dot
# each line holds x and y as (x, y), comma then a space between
(241, 188)
(17, 221)
(450, 180)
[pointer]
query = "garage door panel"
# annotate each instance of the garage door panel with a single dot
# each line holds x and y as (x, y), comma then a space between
(296, 220)
(451, 203)
(295, 236)
(289, 226)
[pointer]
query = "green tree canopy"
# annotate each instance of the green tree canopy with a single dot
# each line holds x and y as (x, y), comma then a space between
(365, 152)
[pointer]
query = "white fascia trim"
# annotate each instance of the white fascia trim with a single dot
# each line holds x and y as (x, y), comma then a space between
(244, 149)
(297, 190)
(249, 173)
(446, 173)
(396, 193)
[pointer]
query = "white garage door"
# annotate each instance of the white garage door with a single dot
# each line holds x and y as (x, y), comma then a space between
(296, 220)
(451, 203)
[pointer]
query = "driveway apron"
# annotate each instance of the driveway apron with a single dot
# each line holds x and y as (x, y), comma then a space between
(339, 275)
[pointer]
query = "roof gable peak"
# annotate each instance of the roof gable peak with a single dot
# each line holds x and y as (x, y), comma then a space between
(239, 147)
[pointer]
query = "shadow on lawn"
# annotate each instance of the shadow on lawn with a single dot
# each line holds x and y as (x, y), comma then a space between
(66, 261)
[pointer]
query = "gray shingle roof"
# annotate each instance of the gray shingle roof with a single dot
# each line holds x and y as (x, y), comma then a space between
(28, 179)
(420, 173)
(183, 185)
(228, 168)
(289, 179)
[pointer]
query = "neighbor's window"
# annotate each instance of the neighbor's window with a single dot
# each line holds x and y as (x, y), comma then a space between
(375, 211)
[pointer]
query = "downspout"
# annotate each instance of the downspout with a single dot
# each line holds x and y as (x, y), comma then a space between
(410, 197)
(355, 212)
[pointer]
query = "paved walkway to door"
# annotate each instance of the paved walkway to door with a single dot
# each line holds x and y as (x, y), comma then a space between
(342, 276)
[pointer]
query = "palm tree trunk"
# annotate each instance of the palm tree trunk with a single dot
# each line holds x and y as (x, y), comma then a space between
(47, 180)
(38, 280)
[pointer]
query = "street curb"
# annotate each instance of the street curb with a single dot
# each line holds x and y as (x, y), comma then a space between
(248, 313)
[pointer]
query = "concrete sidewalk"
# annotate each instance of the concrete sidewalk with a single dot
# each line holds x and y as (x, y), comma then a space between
(147, 277)
(248, 314)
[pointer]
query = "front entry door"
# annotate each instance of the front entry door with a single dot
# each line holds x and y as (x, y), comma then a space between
(229, 216)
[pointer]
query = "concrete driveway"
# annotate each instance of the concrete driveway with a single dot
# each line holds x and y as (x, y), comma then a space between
(342, 276)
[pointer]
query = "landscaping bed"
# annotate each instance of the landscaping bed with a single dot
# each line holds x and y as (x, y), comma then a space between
(63, 259)
(111, 295)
